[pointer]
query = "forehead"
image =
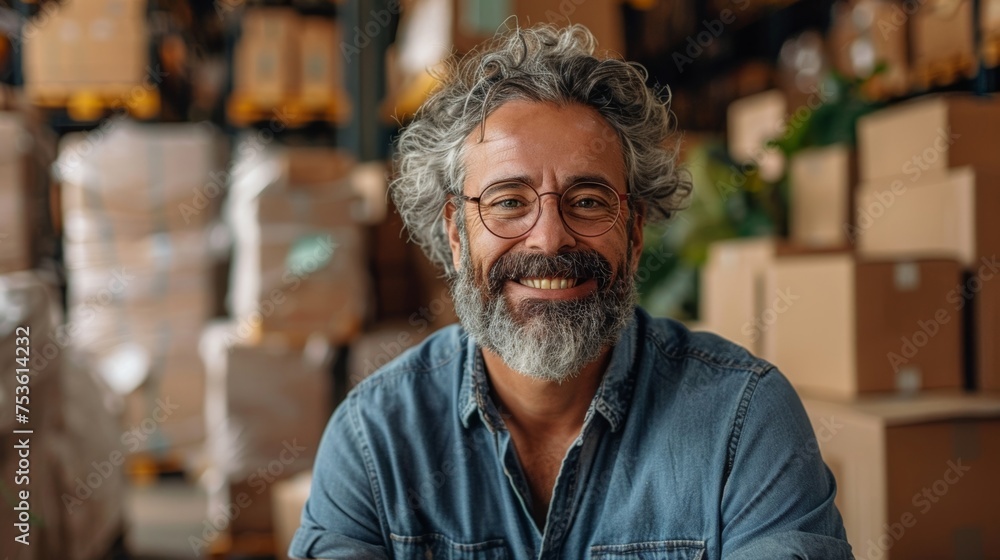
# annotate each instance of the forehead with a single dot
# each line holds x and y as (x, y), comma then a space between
(538, 140)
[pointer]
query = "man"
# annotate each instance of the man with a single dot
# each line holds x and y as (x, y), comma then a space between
(559, 420)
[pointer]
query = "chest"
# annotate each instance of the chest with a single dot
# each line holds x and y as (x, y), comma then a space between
(540, 462)
(541, 468)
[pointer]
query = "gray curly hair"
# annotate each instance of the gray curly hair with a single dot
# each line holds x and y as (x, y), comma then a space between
(546, 64)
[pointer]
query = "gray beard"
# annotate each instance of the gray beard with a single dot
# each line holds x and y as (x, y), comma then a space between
(546, 340)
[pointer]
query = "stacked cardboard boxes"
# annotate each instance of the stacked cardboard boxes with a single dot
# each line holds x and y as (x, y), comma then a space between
(944, 41)
(136, 204)
(989, 31)
(299, 261)
(732, 290)
(288, 61)
(14, 239)
(474, 21)
(97, 46)
(264, 61)
(857, 327)
(68, 502)
(431, 30)
(914, 477)
(299, 285)
(930, 189)
(822, 182)
(266, 407)
(880, 311)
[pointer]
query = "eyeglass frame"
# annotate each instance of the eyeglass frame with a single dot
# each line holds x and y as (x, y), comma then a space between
(622, 199)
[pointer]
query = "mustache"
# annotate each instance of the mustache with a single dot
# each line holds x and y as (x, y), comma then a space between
(573, 264)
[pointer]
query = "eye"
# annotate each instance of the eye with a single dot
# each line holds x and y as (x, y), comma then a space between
(508, 203)
(589, 199)
(507, 197)
(587, 203)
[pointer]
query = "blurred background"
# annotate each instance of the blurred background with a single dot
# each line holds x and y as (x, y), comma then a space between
(198, 259)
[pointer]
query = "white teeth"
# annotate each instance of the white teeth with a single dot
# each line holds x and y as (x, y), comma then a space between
(549, 283)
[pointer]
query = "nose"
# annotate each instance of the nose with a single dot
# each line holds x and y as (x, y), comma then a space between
(550, 235)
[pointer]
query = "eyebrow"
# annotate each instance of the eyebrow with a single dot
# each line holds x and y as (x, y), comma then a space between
(571, 180)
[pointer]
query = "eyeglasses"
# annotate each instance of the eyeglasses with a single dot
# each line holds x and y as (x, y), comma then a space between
(510, 210)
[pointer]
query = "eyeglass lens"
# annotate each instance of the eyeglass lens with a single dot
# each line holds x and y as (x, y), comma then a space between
(511, 209)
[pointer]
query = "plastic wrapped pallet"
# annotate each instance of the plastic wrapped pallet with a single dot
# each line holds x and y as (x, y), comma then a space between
(14, 238)
(138, 201)
(300, 257)
(97, 46)
(75, 483)
(266, 407)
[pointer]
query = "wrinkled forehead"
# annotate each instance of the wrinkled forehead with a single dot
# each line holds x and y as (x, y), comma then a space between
(535, 140)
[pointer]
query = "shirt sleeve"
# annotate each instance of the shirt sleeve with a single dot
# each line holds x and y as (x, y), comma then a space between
(777, 502)
(341, 516)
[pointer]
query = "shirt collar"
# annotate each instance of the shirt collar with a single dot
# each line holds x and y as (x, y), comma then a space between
(611, 400)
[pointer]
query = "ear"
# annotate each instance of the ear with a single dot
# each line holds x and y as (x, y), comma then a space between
(636, 237)
(454, 241)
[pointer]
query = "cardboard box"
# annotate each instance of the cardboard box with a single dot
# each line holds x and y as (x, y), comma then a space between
(139, 266)
(603, 19)
(166, 415)
(822, 183)
(101, 47)
(989, 30)
(733, 297)
(943, 33)
(300, 263)
(270, 24)
(15, 242)
(308, 167)
(847, 328)
(321, 74)
(266, 408)
(144, 268)
(140, 178)
(751, 123)
(382, 344)
(927, 134)
(117, 53)
(987, 327)
(289, 499)
(301, 280)
(330, 297)
(950, 215)
(866, 33)
(15, 239)
(121, 10)
(266, 57)
(475, 21)
(300, 209)
(915, 476)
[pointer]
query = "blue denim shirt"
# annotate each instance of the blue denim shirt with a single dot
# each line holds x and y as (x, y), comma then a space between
(691, 449)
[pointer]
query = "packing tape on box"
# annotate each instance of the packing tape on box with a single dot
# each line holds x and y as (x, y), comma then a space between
(906, 276)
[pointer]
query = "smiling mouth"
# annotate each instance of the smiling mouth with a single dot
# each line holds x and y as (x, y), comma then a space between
(549, 283)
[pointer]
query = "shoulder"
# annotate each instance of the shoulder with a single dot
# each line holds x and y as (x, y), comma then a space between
(671, 342)
(708, 372)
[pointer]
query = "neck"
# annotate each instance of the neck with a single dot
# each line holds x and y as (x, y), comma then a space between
(546, 409)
